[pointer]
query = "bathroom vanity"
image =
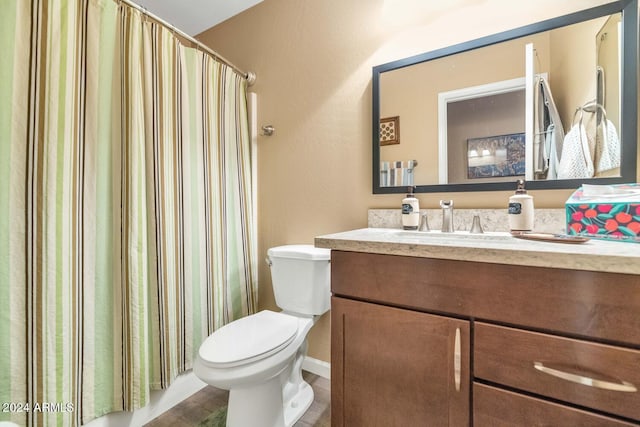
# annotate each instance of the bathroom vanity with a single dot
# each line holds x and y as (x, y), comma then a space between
(488, 330)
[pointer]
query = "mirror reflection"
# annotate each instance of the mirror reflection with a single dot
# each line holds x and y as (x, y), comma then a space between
(545, 107)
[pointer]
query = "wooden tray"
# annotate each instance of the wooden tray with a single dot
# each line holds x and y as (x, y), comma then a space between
(550, 237)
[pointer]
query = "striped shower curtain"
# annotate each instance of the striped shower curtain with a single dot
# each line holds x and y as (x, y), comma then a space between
(125, 209)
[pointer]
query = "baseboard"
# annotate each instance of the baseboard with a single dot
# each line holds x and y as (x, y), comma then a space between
(161, 401)
(318, 367)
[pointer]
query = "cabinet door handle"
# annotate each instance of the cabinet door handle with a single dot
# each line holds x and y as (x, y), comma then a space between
(456, 360)
(588, 381)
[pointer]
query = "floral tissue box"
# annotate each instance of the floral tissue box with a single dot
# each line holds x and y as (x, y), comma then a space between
(610, 212)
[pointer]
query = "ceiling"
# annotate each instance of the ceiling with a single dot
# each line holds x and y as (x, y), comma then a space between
(195, 16)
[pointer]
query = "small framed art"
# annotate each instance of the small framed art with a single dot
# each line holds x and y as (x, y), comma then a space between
(390, 130)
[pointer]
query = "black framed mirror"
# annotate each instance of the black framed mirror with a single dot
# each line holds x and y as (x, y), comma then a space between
(452, 103)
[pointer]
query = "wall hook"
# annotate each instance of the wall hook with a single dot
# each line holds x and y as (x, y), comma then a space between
(268, 130)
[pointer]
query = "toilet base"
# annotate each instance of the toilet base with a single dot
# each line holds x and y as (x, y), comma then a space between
(266, 407)
(295, 407)
(259, 406)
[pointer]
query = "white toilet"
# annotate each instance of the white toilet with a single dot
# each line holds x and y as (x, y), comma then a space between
(259, 358)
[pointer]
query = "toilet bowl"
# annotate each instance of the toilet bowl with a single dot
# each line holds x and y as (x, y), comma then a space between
(259, 358)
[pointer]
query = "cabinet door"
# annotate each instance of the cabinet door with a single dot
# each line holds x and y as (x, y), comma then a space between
(396, 367)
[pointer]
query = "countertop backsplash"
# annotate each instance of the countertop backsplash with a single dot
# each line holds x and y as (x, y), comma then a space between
(546, 220)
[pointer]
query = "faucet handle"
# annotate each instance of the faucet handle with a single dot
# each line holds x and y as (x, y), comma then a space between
(476, 227)
(424, 223)
(444, 204)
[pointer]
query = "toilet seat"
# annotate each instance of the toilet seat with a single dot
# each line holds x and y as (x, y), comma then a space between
(249, 339)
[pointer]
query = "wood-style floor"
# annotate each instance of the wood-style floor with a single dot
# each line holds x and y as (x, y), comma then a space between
(196, 408)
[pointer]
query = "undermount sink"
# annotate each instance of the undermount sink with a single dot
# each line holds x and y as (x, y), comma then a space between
(435, 234)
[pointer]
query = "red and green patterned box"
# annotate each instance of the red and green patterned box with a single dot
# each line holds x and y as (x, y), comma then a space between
(606, 216)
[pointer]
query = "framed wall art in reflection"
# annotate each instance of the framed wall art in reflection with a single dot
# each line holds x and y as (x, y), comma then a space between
(390, 130)
(495, 156)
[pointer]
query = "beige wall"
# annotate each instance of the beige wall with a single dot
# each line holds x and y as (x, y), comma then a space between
(313, 60)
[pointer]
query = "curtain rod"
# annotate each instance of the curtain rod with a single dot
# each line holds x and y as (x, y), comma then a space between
(249, 76)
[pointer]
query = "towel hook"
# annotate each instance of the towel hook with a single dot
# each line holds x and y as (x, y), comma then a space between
(268, 130)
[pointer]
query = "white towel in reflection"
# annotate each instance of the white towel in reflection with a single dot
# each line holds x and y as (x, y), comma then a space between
(607, 155)
(576, 161)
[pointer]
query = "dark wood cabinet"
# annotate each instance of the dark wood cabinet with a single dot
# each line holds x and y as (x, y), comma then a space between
(538, 346)
(397, 367)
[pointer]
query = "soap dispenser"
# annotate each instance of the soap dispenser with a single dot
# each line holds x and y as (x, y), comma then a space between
(521, 210)
(410, 211)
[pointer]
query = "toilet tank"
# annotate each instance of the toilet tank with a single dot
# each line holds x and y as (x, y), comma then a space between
(301, 278)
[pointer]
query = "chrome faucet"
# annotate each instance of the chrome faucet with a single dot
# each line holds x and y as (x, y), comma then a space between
(447, 215)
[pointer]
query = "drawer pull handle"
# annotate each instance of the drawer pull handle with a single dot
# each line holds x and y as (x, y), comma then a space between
(456, 360)
(580, 379)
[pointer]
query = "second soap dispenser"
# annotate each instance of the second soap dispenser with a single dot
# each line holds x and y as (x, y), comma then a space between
(521, 210)
(410, 211)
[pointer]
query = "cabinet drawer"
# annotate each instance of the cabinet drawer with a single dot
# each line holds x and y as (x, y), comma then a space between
(493, 407)
(593, 375)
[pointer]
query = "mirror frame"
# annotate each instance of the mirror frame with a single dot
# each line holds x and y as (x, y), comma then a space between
(629, 98)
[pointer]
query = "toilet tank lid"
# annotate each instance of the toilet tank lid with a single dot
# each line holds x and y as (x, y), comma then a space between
(309, 252)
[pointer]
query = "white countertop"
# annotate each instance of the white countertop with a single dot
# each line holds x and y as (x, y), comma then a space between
(500, 248)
